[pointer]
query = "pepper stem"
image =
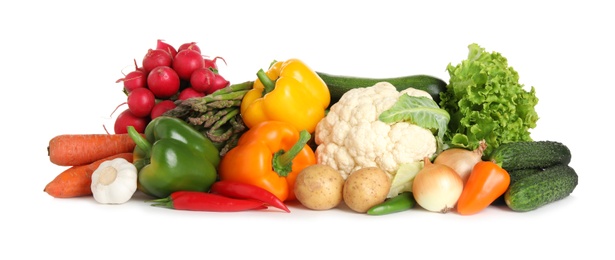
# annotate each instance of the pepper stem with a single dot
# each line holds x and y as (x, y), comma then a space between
(267, 82)
(140, 141)
(283, 160)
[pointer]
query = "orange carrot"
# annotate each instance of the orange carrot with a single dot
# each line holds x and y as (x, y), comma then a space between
(83, 149)
(76, 180)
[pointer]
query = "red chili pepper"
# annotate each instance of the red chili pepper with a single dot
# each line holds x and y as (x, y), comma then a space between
(203, 201)
(241, 190)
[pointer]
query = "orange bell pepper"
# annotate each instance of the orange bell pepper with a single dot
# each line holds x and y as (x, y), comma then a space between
(486, 183)
(269, 155)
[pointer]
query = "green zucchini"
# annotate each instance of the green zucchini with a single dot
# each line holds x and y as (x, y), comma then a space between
(338, 85)
(536, 190)
(530, 154)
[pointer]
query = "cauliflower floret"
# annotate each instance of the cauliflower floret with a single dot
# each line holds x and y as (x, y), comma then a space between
(351, 137)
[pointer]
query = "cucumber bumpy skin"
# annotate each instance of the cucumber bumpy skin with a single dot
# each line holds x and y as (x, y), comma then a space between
(532, 154)
(338, 85)
(533, 191)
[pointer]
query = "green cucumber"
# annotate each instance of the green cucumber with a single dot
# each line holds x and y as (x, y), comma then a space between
(536, 190)
(516, 175)
(530, 154)
(338, 85)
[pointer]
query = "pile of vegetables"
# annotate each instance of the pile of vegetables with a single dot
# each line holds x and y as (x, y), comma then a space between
(191, 140)
(166, 74)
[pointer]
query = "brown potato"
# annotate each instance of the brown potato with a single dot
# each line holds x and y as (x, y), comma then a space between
(365, 188)
(319, 187)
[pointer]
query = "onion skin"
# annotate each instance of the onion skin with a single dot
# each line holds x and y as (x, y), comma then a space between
(437, 187)
(461, 160)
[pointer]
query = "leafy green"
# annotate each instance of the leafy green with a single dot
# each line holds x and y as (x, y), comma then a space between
(421, 111)
(486, 102)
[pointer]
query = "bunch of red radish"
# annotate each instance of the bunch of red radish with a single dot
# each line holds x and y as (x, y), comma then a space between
(166, 75)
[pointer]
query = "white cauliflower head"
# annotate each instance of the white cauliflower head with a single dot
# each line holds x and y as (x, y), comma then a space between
(351, 137)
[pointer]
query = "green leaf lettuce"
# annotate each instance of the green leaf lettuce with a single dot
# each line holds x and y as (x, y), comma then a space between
(486, 102)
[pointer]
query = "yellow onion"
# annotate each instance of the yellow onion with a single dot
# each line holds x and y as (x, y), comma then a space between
(461, 160)
(437, 187)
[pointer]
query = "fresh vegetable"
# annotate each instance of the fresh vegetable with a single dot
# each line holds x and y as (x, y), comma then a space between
(437, 187)
(201, 80)
(76, 181)
(531, 154)
(269, 155)
(81, 149)
(114, 181)
(461, 160)
(161, 45)
(155, 58)
(173, 156)
(240, 190)
(338, 85)
(516, 175)
(126, 119)
(379, 126)
(141, 101)
(401, 202)
(366, 188)
(319, 187)
(163, 81)
(189, 46)
(203, 201)
(486, 102)
(219, 82)
(134, 79)
(404, 177)
(534, 191)
(187, 61)
(486, 183)
(213, 63)
(189, 92)
(216, 115)
(288, 89)
(162, 107)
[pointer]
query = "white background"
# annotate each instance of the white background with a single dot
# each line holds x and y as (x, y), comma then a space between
(60, 61)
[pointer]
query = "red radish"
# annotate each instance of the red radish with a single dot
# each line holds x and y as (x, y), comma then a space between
(161, 45)
(189, 93)
(162, 107)
(218, 83)
(163, 81)
(201, 79)
(134, 79)
(126, 118)
(186, 61)
(155, 58)
(211, 63)
(189, 46)
(141, 101)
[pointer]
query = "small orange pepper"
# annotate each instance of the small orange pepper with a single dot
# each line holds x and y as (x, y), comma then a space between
(269, 155)
(486, 183)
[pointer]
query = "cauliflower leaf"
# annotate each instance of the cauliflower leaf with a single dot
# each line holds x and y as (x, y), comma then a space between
(421, 111)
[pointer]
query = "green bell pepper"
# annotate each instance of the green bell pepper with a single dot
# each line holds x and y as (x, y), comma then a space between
(173, 156)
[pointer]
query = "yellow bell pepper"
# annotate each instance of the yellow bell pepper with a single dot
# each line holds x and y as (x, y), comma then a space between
(289, 92)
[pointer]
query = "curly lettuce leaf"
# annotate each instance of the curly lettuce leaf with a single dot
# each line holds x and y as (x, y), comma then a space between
(421, 111)
(487, 102)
